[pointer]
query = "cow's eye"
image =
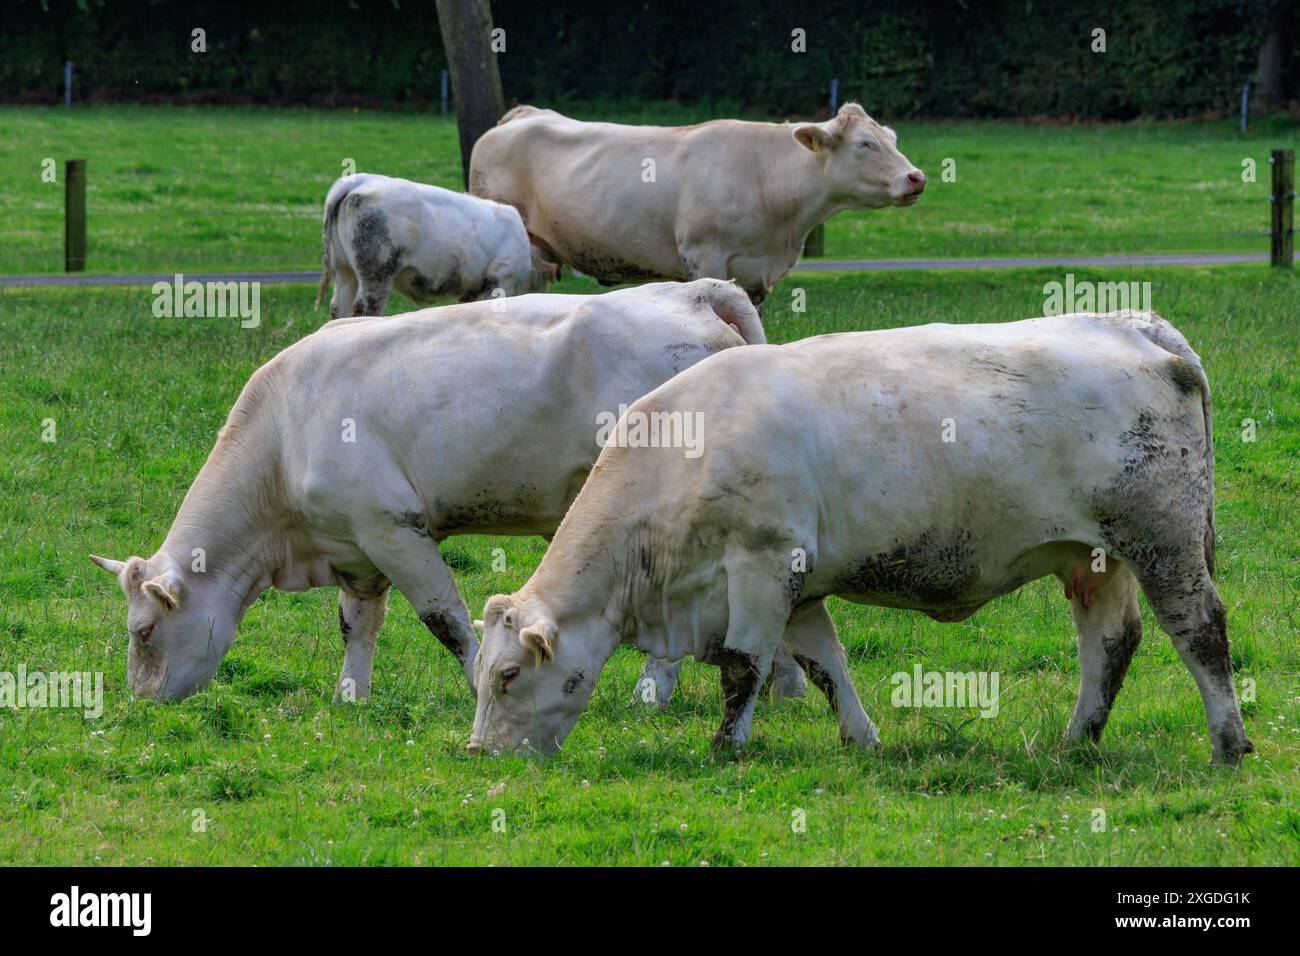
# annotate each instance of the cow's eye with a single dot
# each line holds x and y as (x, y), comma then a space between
(144, 632)
(867, 144)
(507, 677)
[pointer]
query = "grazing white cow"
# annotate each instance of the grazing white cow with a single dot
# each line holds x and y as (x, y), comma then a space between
(728, 199)
(932, 468)
(352, 453)
(429, 242)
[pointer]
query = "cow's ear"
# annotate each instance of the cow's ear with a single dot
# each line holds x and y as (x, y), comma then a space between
(812, 137)
(166, 589)
(540, 639)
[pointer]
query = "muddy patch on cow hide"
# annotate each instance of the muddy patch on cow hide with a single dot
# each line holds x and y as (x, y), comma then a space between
(377, 259)
(1183, 375)
(443, 625)
(608, 269)
(1153, 513)
(412, 521)
(489, 512)
(937, 572)
(573, 682)
(424, 288)
(821, 679)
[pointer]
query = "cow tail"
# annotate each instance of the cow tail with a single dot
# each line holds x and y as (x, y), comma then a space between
(324, 272)
(1208, 411)
(730, 303)
(1171, 340)
(338, 192)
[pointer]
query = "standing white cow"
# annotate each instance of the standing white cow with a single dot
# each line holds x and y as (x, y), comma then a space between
(932, 468)
(429, 242)
(728, 199)
(352, 453)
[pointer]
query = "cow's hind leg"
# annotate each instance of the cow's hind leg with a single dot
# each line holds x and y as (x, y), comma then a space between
(1109, 628)
(1190, 612)
(786, 679)
(360, 619)
(811, 638)
(344, 296)
(372, 298)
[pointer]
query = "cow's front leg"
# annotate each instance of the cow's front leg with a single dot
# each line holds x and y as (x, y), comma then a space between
(657, 682)
(410, 560)
(360, 619)
(1109, 627)
(757, 612)
(702, 261)
(743, 674)
(811, 638)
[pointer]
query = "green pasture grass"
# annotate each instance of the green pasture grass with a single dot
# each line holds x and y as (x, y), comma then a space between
(264, 768)
(189, 189)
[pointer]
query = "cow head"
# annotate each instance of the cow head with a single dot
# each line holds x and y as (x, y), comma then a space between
(861, 161)
(542, 273)
(177, 634)
(532, 681)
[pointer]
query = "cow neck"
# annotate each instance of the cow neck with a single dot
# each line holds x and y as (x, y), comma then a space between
(578, 579)
(800, 186)
(604, 565)
(232, 511)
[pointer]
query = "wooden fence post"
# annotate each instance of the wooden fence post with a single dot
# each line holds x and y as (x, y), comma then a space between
(74, 215)
(1283, 202)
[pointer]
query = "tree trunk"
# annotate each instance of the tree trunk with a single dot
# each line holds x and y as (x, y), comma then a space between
(1274, 57)
(466, 27)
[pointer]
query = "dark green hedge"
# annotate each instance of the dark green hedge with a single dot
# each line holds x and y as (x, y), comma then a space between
(938, 58)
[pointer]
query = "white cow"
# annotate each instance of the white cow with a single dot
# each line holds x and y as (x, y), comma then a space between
(430, 242)
(932, 468)
(729, 199)
(352, 453)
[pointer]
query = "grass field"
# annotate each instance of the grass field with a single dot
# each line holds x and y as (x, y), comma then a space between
(283, 775)
(204, 189)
